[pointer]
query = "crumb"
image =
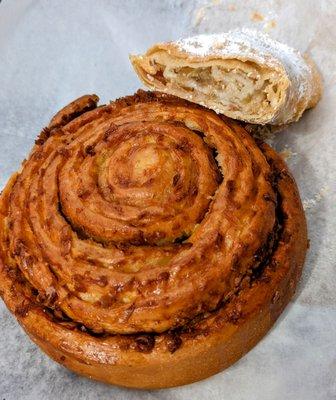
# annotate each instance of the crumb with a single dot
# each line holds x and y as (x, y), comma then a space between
(257, 17)
(287, 154)
(269, 25)
(199, 16)
(232, 7)
(312, 202)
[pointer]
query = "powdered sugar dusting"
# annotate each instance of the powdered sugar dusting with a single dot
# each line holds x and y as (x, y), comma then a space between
(243, 44)
(258, 47)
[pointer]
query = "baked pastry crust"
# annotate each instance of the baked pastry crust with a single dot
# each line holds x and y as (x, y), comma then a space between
(149, 310)
(243, 74)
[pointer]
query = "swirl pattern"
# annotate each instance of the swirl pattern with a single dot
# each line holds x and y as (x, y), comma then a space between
(138, 220)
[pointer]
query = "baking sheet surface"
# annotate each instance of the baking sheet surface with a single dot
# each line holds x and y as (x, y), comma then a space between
(52, 51)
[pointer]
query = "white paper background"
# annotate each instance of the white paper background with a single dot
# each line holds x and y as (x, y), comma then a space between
(52, 51)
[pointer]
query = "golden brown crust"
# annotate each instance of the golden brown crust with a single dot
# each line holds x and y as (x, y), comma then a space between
(78, 289)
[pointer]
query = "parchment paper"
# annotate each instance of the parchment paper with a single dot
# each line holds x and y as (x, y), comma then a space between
(52, 51)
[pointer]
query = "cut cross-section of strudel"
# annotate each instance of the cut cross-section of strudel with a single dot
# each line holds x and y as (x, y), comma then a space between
(243, 74)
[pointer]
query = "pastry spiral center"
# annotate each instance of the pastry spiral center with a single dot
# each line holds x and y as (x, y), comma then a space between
(147, 184)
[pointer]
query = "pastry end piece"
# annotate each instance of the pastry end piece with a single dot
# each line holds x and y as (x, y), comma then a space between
(243, 74)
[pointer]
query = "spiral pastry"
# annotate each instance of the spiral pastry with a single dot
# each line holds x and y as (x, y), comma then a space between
(149, 242)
